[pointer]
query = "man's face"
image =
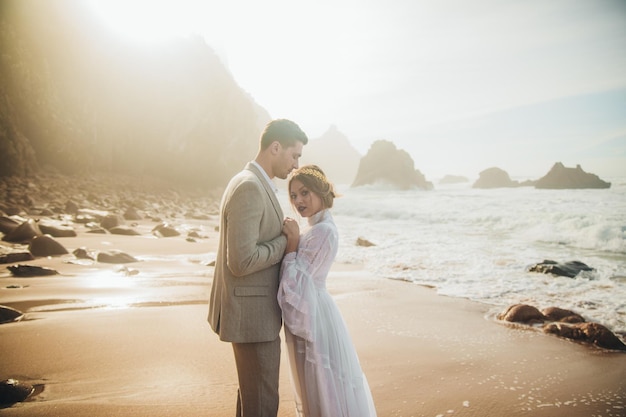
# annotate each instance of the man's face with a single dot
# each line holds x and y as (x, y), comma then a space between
(287, 160)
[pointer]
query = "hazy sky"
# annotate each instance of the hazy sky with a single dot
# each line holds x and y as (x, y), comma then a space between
(462, 85)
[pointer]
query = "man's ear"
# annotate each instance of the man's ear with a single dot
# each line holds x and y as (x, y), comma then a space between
(275, 147)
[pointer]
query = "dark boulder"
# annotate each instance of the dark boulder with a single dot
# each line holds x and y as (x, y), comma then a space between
(165, 230)
(46, 245)
(25, 232)
(31, 271)
(522, 313)
(12, 257)
(593, 333)
(115, 257)
(55, 230)
(71, 207)
(112, 220)
(560, 177)
(131, 213)
(8, 314)
(124, 230)
(563, 323)
(7, 224)
(84, 253)
(567, 269)
(13, 391)
(561, 314)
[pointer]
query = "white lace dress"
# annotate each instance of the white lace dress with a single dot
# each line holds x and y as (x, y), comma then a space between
(327, 377)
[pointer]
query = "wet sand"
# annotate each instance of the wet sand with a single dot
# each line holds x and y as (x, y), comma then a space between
(102, 339)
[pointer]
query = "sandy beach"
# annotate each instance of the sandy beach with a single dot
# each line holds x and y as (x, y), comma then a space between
(102, 339)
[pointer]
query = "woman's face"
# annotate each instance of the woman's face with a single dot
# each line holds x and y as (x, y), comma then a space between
(305, 201)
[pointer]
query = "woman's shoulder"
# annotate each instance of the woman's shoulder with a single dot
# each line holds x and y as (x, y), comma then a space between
(325, 226)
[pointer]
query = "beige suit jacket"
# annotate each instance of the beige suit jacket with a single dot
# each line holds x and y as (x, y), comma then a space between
(243, 307)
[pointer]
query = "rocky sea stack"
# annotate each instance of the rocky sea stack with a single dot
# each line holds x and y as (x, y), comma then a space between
(385, 164)
(560, 177)
(494, 178)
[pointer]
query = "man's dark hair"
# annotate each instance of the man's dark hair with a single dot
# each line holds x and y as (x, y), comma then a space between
(284, 131)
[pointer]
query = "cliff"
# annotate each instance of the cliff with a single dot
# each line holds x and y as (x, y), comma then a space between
(75, 100)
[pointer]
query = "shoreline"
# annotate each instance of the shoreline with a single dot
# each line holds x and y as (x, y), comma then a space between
(423, 354)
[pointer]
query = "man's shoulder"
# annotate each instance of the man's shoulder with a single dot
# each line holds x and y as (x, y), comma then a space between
(244, 182)
(243, 176)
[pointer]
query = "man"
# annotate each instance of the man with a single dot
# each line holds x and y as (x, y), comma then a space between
(243, 307)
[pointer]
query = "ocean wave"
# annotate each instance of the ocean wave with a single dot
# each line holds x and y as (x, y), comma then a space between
(477, 244)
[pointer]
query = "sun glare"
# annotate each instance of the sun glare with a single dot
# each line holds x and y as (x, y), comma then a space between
(146, 21)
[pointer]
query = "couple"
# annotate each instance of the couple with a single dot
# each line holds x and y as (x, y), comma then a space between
(264, 265)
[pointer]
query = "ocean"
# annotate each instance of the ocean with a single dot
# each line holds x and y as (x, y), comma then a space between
(478, 243)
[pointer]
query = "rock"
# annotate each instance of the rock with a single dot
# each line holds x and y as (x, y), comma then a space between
(13, 391)
(593, 333)
(71, 207)
(560, 177)
(563, 330)
(30, 271)
(132, 214)
(124, 230)
(45, 245)
(601, 336)
(561, 314)
(12, 257)
(522, 313)
(494, 178)
(84, 253)
(115, 257)
(56, 230)
(195, 235)
(384, 164)
(25, 232)
(8, 314)
(364, 242)
(567, 269)
(165, 230)
(112, 220)
(7, 224)
(563, 323)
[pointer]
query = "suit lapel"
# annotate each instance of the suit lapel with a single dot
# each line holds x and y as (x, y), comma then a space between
(268, 189)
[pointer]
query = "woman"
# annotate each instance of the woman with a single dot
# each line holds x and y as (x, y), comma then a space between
(326, 373)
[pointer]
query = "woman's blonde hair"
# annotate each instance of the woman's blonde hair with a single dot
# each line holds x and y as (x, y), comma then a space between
(313, 178)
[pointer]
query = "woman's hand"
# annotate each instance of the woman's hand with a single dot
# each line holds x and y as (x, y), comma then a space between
(291, 229)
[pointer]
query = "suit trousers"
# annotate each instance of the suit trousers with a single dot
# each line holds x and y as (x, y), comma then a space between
(258, 368)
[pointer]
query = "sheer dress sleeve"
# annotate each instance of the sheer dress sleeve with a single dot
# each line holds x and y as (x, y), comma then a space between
(302, 273)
